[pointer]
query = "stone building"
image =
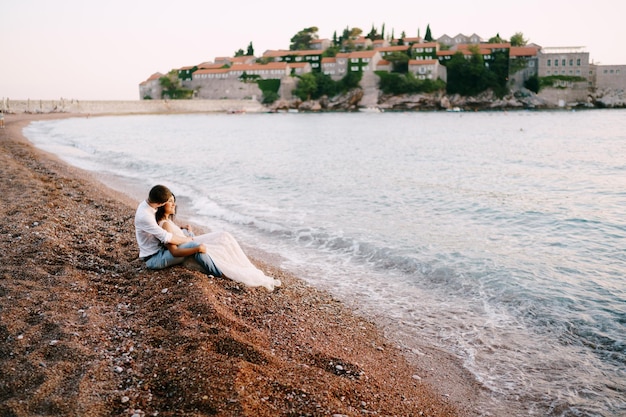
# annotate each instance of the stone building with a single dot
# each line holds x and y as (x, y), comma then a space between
(459, 39)
(608, 76)
(151, 88)
(232, 77)
(523, 64)
(569, 61)
(428, 69)
(312, 56)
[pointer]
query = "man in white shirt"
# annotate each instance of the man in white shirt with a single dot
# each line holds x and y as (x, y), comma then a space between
(152, 238)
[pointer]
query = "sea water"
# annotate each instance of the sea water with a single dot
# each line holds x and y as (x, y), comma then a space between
(498, 237)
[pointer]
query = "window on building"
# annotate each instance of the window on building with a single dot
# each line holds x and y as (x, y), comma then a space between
(556, 62)
(563, 62)
(578, 62)
(549, 62)
(571, 62)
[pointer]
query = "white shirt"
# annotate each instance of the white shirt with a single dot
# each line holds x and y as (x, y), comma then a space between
(149, 234)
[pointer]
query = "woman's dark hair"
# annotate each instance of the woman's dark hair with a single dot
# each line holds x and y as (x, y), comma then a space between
(160, 213)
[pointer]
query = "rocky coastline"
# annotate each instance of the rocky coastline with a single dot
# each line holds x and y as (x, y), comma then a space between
(519, 100)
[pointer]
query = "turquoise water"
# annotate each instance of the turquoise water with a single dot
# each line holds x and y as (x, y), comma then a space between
(498, 237)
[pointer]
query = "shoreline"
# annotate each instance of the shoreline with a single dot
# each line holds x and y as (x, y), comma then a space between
(89, 330)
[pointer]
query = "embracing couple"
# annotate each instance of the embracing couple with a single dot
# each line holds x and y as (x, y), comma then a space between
(162, 243)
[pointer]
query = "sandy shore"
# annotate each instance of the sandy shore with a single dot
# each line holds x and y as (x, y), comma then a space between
(87, 330)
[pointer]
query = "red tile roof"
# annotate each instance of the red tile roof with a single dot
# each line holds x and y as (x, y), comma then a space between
(423, 61)
(208, 65)
(523, 51)
(425, 45)
(254, 67)
(155, 76)
(362, 54)
(283, 52)
(393, 48)
(212, 71)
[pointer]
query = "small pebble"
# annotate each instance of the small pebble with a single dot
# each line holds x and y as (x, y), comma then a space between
(164, 290)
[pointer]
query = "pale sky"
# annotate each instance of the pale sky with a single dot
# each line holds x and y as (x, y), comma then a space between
(88, 50)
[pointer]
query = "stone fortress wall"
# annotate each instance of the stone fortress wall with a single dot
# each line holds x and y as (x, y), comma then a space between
(130, 106)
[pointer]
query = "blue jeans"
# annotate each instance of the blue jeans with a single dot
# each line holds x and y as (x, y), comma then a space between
(164, 258)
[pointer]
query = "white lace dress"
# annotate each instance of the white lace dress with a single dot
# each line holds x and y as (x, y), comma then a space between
(230, 258)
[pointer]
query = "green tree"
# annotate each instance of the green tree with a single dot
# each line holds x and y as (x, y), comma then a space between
(350, 81)
(270, 88)
(518, 39)
(302, 40)
(496, 39)
(348, 38)
(497, 73)
(374, 35)
(354, 33)
(240, 52)
(532, 84)
(250, 51)
(172, 87)
(331, 51)
(428, 37)
(393, 83)
(307, 86)
(469, 77)
(325, 86)
(465, 76)
(399, 61)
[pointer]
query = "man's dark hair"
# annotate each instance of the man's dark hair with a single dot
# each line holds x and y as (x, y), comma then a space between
(159, 194)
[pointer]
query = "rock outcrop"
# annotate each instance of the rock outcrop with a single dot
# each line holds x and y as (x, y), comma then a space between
(520, 99)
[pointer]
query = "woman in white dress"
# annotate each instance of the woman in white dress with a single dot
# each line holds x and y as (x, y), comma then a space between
(221, 247)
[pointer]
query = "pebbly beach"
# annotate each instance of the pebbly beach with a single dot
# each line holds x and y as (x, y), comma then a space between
(87, 330)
